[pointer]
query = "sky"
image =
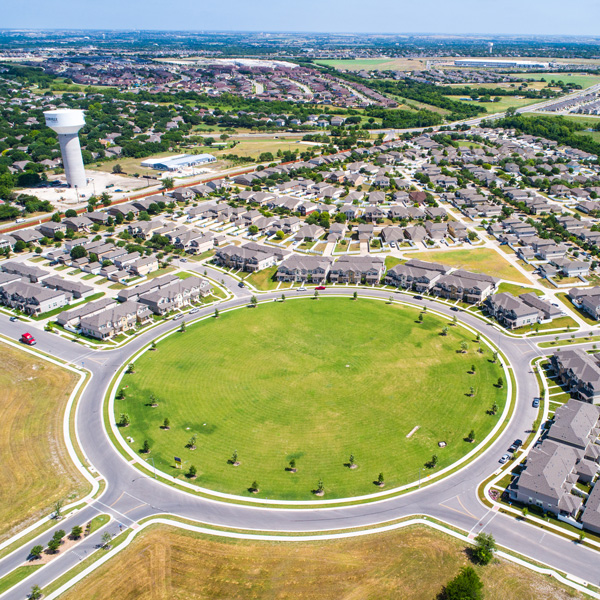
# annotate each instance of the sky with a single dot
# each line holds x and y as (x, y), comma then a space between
(539, 17)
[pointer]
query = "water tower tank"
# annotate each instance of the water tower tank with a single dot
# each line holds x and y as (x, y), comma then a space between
(67, 123)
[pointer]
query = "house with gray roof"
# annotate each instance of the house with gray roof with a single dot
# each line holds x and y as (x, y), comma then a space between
(300, 268)
(114, 320)
(32, 298)
(465, 286)
(580, 371)
(70, 319)
(249, 257)
(33, 274)
(77, 289)
(519, 311)
(181, 292)
(548, 478)
(358, 269)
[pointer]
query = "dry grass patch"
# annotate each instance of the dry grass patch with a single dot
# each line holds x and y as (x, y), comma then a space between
(35, 470)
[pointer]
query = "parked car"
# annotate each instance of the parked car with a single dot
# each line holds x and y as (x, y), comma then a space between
(518, 443)
(320, 287)
(241, 284)
(504, 458)
(194, 310)
(28, 339)
(536, 403)
(184, 260)
(418, 297)
(177, 317)
(13, 318)
(302, 289)
(454, 308)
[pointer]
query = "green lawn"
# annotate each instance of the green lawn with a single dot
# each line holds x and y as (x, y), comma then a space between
(517, 290)
(17, 575)
(496, 107)
(478, 260)
(392, 261)
(313, 380)
(263, 280)
(562, 296)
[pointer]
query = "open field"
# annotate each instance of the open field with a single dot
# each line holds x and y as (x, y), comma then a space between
(495, 107)
(479, 260)
(314, 381)
(35, 470)
(412, 564)
(253, 147)
(263, 280)
(517, 290)
(376, 64)
(566, 77)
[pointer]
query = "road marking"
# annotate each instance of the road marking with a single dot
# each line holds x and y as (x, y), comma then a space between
(135, 497)
(115, 510)
(465, 511)
(136, 507)
(122, 493)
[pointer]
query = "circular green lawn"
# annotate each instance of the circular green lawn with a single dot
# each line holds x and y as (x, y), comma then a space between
(314, 381)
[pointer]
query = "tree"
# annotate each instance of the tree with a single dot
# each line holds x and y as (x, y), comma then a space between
(495, 357)
(234, 458)
(351, 460)
(182, 328)
(465, 586)
(146, 447)
(167, 182)
(36, 551)
(454, 320)
(117, 169)
(106, 539)
(191, 445)
(130, 368)
(500, 382)
(355, 295)
(471, 436)
(380, 480)
(166, 424)
(76, 532)
(420, 317)
(153, 346)
(471, 391)
(53, 545)
(320, 487)
(35, 593)
(494, 408)
(20, 245)
(253, 229)
(279, 235)
(316, 294)
(283, 297)
(192, 471)
(293, 464)
(254, 487)
(445, 331)
(78, 252)
(124, 420)
(216, 313)
(485, 545)
(253, 301)
(57, 508)
(464, 347)
(473, 369)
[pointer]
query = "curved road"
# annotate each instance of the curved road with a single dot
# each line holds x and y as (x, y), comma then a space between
(132, 495)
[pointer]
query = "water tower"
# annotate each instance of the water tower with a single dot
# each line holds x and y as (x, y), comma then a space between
(67, 123)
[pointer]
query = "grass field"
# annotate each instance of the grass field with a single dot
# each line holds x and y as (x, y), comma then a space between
(479, 260)
(496, 107)
(35, 469)
(313, 380)
(17, 575)
(576, 79)
(409, 564)
(517, 290)
(263, 280)
(375, 64)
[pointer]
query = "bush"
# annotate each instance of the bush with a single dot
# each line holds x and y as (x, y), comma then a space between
(485, 545)
(465, 586)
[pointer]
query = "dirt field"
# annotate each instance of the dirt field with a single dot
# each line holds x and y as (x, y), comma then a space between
(410, 564)
(35, 470)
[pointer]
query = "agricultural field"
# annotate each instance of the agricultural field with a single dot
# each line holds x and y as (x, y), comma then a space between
(412, 564)
(478, 260)
(314, 381)
(36, 469)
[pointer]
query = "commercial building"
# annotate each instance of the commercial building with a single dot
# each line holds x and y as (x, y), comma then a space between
(175, 163)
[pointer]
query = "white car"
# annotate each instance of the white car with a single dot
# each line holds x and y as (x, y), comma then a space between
(177, 317)
(302, 289)
(194, 310)
(504, 458)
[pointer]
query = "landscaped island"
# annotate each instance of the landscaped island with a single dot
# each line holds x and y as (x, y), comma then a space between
(312, 382)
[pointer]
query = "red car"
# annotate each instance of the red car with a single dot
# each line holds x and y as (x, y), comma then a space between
(320, 287)
(28, 339)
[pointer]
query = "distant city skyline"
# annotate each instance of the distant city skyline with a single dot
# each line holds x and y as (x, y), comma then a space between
(516, 17)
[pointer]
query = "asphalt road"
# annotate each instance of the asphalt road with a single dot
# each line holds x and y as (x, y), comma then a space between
(132, 495)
